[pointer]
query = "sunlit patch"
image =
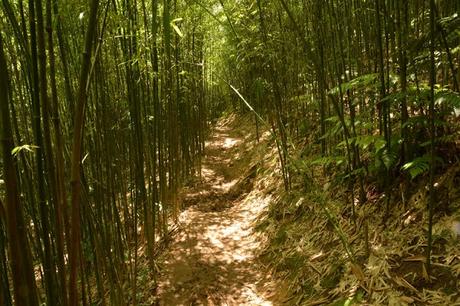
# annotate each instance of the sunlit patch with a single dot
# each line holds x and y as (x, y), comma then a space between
(230, 143)
(206, 172)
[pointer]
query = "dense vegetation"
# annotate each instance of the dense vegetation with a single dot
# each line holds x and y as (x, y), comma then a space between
(105, 108)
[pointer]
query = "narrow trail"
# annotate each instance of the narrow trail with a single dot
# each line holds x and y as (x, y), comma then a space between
(211, 261)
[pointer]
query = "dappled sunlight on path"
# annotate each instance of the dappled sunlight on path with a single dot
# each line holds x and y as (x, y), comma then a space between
(211, 261)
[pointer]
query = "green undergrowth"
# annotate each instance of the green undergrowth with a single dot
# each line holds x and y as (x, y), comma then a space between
(316, 246)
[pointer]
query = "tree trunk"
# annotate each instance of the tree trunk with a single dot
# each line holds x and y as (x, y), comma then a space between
(20, 259)
(79, 120)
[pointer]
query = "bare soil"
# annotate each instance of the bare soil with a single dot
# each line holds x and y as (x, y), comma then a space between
(212, 259)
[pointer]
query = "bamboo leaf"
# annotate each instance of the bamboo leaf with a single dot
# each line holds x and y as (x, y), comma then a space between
(417, 166)
(29, 148)
(176, 28)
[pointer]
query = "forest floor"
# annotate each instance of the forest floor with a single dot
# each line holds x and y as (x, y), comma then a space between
(242, 240)
(212, 259)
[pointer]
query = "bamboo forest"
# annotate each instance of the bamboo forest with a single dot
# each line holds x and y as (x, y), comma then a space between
(229, 152)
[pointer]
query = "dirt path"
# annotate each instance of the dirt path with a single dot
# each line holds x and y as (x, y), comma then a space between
(211, 260)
